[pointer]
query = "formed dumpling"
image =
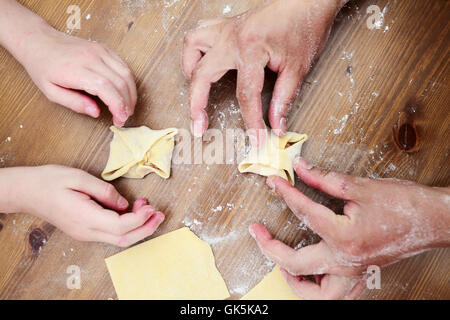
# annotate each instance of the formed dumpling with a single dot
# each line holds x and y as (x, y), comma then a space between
(136, 152)
(275, 156)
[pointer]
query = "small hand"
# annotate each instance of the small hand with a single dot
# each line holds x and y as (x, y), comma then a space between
(384, 221)
(65, 68)
(285, 35)
(70, 200)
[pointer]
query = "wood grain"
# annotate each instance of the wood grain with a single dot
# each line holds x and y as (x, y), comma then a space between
(349, 113)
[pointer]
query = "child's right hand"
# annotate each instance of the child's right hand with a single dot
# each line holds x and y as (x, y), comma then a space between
(65, 198)
(65, 67)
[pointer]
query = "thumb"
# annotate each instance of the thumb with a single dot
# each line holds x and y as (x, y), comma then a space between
(73, 100)
(285, 91)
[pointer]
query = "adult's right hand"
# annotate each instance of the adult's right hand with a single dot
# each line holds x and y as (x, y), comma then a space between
(384, 221)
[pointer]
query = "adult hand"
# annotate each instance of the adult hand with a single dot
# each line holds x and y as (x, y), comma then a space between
(285, 35)
(384, 221)
(70, 200)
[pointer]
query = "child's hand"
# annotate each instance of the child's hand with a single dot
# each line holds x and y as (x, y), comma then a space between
(65, 198)
(65, 67)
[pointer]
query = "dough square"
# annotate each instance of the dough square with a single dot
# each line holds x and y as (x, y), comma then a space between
(175, 266)
(272, 287)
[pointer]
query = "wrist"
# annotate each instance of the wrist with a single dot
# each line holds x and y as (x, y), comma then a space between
(434, 217)
(438, 213)
(18, 28)
(9, 189)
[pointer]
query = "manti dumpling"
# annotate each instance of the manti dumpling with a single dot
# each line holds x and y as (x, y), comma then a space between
(136, 152)
(275, 156)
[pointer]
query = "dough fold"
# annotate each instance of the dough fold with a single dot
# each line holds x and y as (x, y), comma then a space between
(136, 152)
(275, 157)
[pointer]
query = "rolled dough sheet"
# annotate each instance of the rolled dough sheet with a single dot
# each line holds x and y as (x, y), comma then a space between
(175, 266)
(272, 287)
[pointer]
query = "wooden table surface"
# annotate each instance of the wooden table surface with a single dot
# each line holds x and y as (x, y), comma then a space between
(398, 78)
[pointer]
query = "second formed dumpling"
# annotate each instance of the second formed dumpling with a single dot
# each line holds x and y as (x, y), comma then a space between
(275, 156)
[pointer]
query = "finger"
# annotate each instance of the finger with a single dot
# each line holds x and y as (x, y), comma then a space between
(138, 204)
(284, 93)
(132, 220)
(196, 42)
(105, 193)
(313, 259)
(332, 287)
(73, 100)
(142, 232)
(101, 87)
(118, 224)
(114, 62)
(117, 81)
(335, 184)
(250, 82)
(209, 70)
(357, 290)
(316, 216)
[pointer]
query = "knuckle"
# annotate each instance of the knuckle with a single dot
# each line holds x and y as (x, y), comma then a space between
(352, 245)
(109, 191)
(127, 72)
(103, 82)
(190, 38)
(77, 176)
(246, 37)
(122, 84)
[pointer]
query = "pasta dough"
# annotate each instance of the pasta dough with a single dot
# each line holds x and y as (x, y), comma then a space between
(272, 287)
(136, 152)
(177, 265)
(275, 157)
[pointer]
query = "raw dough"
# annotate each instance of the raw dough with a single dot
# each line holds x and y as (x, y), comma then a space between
(177, 265)
(275, 157)
(136, 152)
(272, 287)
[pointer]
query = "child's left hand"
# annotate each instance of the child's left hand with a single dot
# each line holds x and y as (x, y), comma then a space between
(70, 200)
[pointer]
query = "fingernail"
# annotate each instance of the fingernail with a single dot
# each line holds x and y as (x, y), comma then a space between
(122, 202)
(250, 230)
(253, 140)
(284, 274)
(283, 124)
(149, 210)
(197, 128)
(124, 115)
(92, 111)
(270, 183)
(160, 217)
(299, 161)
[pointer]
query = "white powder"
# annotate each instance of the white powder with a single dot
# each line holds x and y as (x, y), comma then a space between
(226, 10)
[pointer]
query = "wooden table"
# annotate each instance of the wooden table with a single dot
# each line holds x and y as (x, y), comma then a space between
(365, 83)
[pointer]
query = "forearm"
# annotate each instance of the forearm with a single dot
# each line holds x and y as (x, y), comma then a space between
(17, 27)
